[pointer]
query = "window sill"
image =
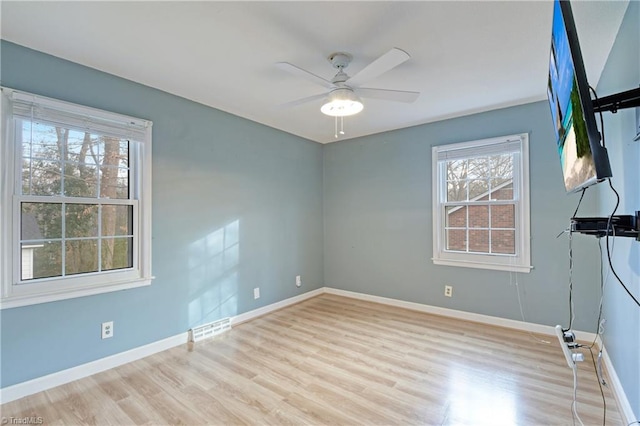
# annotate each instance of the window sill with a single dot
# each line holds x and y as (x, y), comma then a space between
(483, 265)
(26, 300)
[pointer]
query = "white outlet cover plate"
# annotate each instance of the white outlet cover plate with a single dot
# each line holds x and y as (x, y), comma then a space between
(107, 330)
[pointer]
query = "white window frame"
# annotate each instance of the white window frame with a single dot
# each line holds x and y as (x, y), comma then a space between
(521, 261)
(14, 292)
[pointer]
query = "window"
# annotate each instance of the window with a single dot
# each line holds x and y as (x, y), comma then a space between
(76, 200)
(481, 204)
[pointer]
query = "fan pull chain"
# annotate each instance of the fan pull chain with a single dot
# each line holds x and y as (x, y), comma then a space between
(335, 131)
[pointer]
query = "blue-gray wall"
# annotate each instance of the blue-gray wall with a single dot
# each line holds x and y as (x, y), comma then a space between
(622, 330)
(378, 223)
(214, 174)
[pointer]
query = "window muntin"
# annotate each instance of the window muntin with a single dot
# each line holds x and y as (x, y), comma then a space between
(80, 222)
(481, 216)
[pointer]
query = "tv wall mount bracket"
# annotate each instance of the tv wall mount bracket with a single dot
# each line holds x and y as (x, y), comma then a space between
(618, 101)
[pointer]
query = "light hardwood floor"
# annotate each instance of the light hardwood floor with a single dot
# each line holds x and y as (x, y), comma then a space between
(337, 361)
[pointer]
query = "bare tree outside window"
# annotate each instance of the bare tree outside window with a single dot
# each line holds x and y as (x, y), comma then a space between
(72, 175)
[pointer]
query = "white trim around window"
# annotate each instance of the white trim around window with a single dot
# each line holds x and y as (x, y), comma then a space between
(21, 289)
(516, 256)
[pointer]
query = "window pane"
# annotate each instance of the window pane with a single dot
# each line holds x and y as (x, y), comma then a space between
(117, 253)
(478, 216)
(80, 180)
(502, 166)
(114, 183)
(503, 242)
(457, 190)
(43, 148)
(503, 216)
(479, 240)
(40, 260)
(40, 141)
(456, 239)
(478, 189)
(501, 189)
(40, 221)
(457, 180)
(81, 220)
(114, 173)
(40, 177)
(117, 220)
(456, 216)
(81, 256)
(114, 151)
(79, 147)
(478, 168)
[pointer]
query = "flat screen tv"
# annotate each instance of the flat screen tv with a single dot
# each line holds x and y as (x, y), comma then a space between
(583, 159)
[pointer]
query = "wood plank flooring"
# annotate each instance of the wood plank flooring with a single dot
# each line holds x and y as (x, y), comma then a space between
(332, 360)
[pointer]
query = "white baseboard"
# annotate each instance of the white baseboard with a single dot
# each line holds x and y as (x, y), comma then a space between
(628, 416)
(618, 391)
(452, 313)
(39, 384)
(247, 316)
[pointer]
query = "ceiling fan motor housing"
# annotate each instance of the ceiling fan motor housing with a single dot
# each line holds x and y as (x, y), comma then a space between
(340, 60)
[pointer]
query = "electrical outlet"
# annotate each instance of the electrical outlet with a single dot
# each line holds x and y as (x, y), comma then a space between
(448, 290)
(256, 293)
(107, 330)
(298, 280)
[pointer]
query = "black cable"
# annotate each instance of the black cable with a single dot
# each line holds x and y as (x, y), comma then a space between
(579, 202)
(570, 279)
(610, 230)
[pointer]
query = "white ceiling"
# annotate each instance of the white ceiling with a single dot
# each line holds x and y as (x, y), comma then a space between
(466, 56)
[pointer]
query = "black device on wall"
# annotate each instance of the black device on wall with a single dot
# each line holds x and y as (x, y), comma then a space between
(583, 157)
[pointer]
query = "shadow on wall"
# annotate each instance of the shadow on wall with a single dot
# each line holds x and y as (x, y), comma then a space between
(213, 275)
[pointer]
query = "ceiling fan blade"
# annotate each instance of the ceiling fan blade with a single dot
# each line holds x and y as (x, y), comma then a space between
(384, 63)
(388, 95)
(301, 101)
(290, 68)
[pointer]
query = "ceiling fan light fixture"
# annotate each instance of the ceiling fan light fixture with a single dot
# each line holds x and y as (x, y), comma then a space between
(342, 102)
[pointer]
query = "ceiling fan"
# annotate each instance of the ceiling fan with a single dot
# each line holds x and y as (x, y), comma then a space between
(342, 98)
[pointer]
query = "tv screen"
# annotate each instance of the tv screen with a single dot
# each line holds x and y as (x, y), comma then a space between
(584, 161)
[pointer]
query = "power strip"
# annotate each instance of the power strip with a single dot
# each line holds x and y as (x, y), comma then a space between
(567, 341)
